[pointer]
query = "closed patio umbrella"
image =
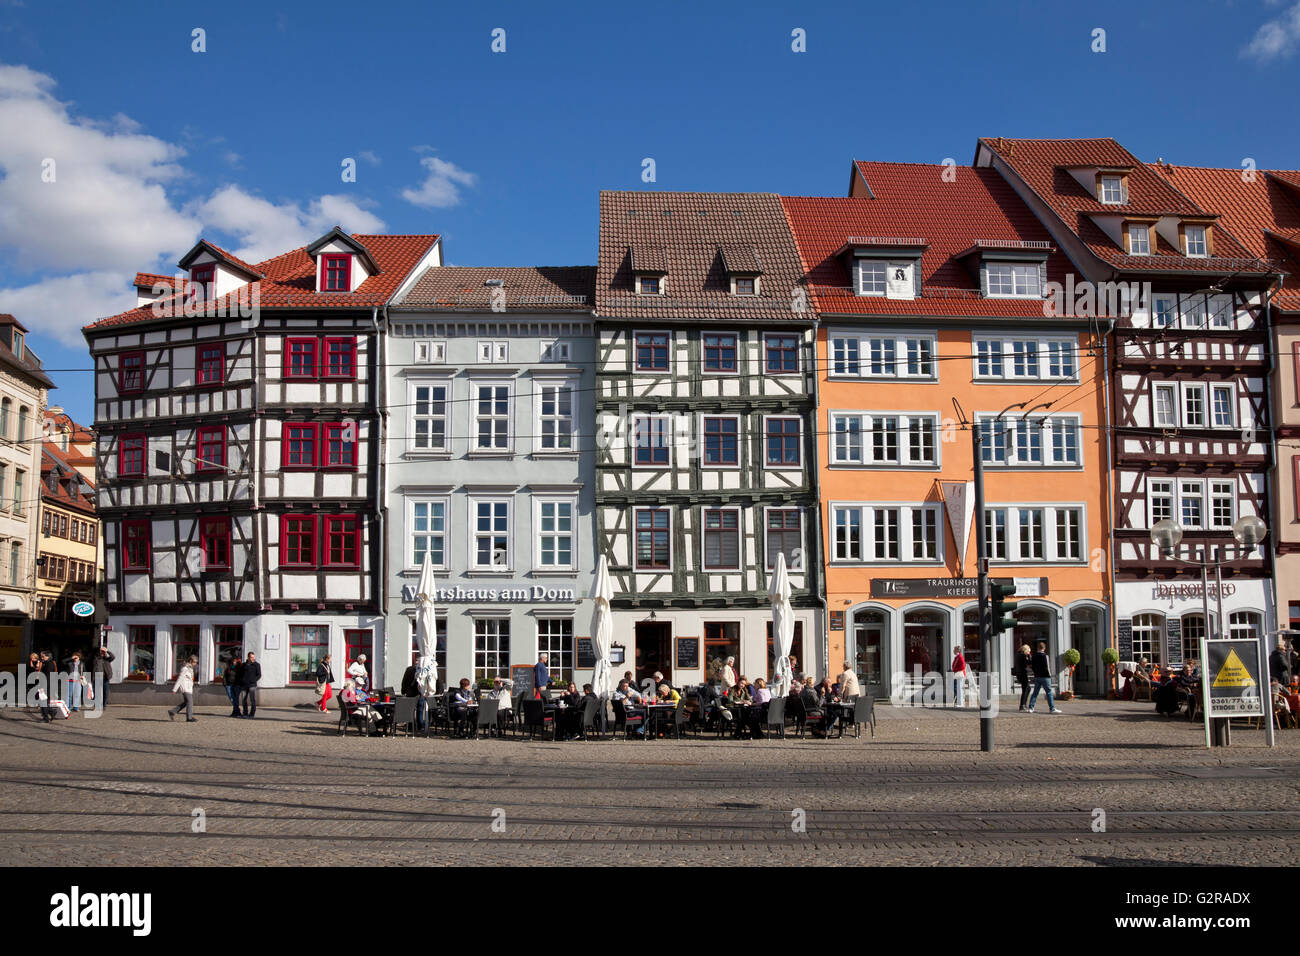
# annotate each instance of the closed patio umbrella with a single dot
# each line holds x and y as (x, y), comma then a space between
(426, 632)
(602, 629)
(778, 592)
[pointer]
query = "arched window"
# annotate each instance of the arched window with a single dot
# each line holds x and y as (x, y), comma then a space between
(1244, 625)
(1193, 632)
(23, 414)
(1147, 631)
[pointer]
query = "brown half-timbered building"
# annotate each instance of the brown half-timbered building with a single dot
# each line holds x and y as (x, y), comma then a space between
(239, 418)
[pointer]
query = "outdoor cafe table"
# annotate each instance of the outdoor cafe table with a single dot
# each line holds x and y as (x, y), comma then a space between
(655, 713)
(744, 713)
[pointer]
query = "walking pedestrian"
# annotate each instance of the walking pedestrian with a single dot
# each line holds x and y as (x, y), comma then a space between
(1279, 663)
(103, 666)
(252, 674)
(185, 687)
(233, 681)
(1042, 678)
(324, 680)
(357, 671)
(76, 681)
(1021, 667)
(958, 678)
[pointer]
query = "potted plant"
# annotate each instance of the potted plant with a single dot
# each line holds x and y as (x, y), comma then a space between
(1071, 659)
(1110, 657)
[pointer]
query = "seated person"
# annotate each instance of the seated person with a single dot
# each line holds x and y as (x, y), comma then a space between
(740, 694)
(571, 697)
(667, 695)
(461, 698)
(627, 699)
(626, 692)
(350, 699)
(502, 687)
(812, 706)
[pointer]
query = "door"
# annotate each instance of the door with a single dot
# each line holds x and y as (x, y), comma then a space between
(654, 650)
(1085, 634)
(870, 639)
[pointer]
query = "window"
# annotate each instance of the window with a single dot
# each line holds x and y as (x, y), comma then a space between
(1060, 359)
(1197, 246)
(556, 407)
(988, 359)
(1166, 311)
(339, 446)
(298, 541)
(428, 524)
(19, 505)
(203, 282)
(136, 545)
(781, 446)
(45, 522)
(214, 539)
(555, 640)
(1139, 241)
(299, 446)
(1187, 501)
(340, 357)
(1193, 634)
(490, 536)
(227, 641)
(1148, 631)
(651, 440)
(1195, 312)
(1221, 401)
(1038, 358)
(140, 646)
(308, 645)
(1160, 500)
(652, 351)
(300, 358)
(130, 456)
(785, 536)
(1112, 189)
(648, 285)
(1024, 359)
(1047, 441)
(1223, 504)
(428, 353)
(212, 448)
(6, 413)
(780, 353)
(721, 442)
(905, 438)
(872, 277)
(1011, 280)
(721, 539)
(358, 642)
(1194, 406)
(429, 422)
(342, 544)
(492, 417)
(491, 648)
(555, 533)
(719, 352)
(1191, 495)
(493, 352)
(1244, 625)
(130, 375)
(211, 364)
(1164, 406)
(745, 285)
(902, 355)
(24, 416)
(1032, 533)
(653, 550)
(556, 352)
(1221, 314)
(185, 643)
(721, 640)
(886, 532)
(336, 272)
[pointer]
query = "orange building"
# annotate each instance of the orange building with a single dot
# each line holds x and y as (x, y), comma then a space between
(930, 285)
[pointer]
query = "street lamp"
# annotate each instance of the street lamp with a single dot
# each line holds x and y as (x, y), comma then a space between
(1247, 531)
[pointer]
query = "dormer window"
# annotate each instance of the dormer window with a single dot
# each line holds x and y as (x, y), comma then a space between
(20, 342)
(202, 279)
(648, 285)
(1196, 242)
(1112, 190)
(1139, 240)
(872, 277)
(336, 272)
(1009, 280)
(745, 285)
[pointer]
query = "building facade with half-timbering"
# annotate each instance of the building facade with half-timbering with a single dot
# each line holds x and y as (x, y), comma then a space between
(239, 455)
(705, 470)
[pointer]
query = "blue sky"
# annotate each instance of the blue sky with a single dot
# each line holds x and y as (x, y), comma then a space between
(504, 153)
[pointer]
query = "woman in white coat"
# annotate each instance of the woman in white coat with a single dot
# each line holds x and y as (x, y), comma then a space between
(185, 687)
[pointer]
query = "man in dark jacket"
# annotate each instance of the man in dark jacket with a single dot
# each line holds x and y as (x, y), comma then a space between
(102, 665)
(1042, 678)
(252, 674)
(1279, 663)
(233, 680)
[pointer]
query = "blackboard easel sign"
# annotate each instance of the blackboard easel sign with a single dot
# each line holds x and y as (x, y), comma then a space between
(522, 675)
(688, 653)
(1124, 638)
(585, 653)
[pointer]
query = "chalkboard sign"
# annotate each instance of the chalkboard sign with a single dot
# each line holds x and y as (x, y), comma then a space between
(1124, 638)
(522, 675)
(586, 653)
(688, 653)
(1173, 642)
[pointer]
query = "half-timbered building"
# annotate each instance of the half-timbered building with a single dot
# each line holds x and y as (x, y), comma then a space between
(491, 468)
(705, 397)
(239, 431)
(1188, 381)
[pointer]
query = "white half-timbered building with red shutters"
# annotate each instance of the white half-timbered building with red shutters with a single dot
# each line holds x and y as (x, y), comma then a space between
(239, 421)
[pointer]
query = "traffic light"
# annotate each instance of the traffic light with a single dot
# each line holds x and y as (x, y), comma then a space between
(1000, 611)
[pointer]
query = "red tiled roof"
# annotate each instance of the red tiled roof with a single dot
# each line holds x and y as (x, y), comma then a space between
(1250, 210)
(1044, 166)
(916, 201)
(290, 281)
(56, 461)
(79, 434)
(1289, 176)
(220, 253)
(688, 231)
(147, 280)
(527, 289)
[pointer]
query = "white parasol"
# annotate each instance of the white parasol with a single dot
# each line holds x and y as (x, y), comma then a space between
(602, 629)
(426, 631)
(778, 592)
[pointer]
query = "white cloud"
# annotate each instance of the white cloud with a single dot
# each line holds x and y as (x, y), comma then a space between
(441, 185)
(1277, 38)
(60, 306)
(265, 229)
(369, 156)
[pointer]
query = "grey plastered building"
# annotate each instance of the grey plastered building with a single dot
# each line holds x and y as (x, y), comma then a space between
(490, 467)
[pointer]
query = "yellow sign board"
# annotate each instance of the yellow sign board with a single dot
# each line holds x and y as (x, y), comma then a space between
(11, 648)
(1233, 673)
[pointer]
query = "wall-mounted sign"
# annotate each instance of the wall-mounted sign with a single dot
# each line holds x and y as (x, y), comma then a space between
(1124, 638)
(688, 653)
(83, 609)
(461, 595)
(837, 620)
(585, 652)
(950, 587)
(1173, 642)
(272, 642)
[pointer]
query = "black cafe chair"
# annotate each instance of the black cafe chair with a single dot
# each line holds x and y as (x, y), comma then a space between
(348, 715)
(681, 719)
(487, 717)
(775, 723)
(794, 713)
(537, 719)
(591, 720)
(404, 715)
(635, 720)
(864, 711)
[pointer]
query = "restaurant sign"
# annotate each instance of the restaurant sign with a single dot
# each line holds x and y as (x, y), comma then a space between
(458, 594)
(1233, 670)
(1190, 590)
(950, 587)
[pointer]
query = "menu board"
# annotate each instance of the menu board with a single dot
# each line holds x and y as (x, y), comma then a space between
(837, 620)
(586, 653)
(1174, 641)
(522, 675)
(688, 653)
(1124, 638)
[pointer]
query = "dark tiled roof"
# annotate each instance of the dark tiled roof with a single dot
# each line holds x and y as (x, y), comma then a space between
(530, 289)
(691, 229)
(952, 210)
(1044, 165)
(56, 462)
(740, 259)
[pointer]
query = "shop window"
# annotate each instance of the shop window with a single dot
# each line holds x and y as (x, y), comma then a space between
(721, 640)
(308, 645)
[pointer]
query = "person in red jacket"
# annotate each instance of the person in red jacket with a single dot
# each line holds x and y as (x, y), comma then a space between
(959, 678)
